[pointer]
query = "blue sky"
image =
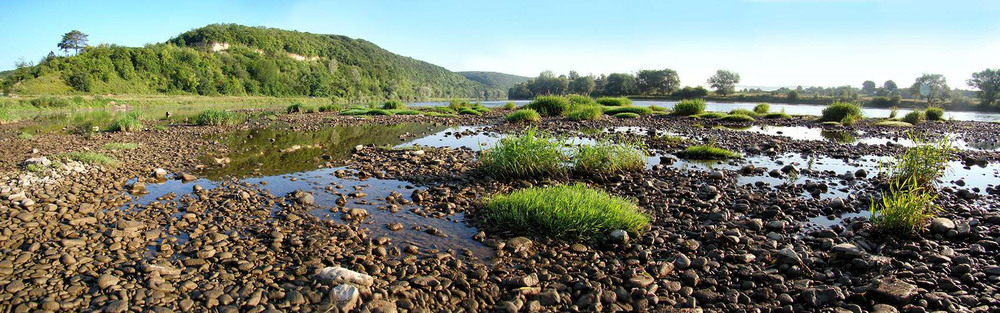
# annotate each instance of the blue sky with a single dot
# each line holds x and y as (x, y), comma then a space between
(770, 43)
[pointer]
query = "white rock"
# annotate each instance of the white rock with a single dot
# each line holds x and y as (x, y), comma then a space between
(346, 297)
(160, 173)
(42, 161)
(339, 275)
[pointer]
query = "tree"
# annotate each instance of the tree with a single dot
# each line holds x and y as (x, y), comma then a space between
(932, 87)
(890, 88)
(988, 83)
(724, 82)
(582, 85)
(868, 87)
(73, 40)
(651, 82)
(620, 84)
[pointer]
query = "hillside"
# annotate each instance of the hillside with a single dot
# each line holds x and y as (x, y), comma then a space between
(229, 59)
(495, 80)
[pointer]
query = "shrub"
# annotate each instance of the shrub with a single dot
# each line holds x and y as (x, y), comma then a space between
(626, 115)
(585, 113)
(708, 152)
(301, 108)
(607, 158)
(393, 105)
(456, 105)
(115, 146)
(614, 101)
(884, 102)
(737, 118)
(689, 107)
(331, 108)
(633, 110)
(563, 211)
(837, 111)
(762, 108)
(524, 116)
(907, 207)
(742, 112)
(89, 157)
(915, 117)
(469, 111)
(217, 118)
(509, 106)
(923, 163)
(710, 115)
(531, 154)
(934, 114)
(128, 123)
(578, 100)
(549, 105)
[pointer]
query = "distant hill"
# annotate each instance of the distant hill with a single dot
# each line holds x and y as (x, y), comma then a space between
(230, 59)
(495, 80)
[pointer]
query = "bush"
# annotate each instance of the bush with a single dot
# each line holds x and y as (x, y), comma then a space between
(837, 111)
(128, 123)
(578, 100)
(217, 118)
(89, 157)
(549, 105)
(742, 112)
(393, 105)
(331, 108)
(923, 163)
(884, 102)
(626, 115)
(469, 111)
(934, 114)
(532, 154)
(606, 158)
(691, 92)
(585, 113)
(915, 117)
(633, 110)
(689, 107)
(301, 108)
(906, 208)
(509, 106)
(115, 146)
(762, 108)
(708, 152)
(614, 101)
(737, 118)
(563, 211)
(524, 116)
(80, 80)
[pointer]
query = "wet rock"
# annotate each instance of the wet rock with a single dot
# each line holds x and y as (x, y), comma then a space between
(185, 177)
(716, 175)
(305, 198)
(847, 250)
(578, 248)
(530, 280)
(160, 174)
(941, 225)
(394, 226)
(336, 275)
(836, 204)
(137, 188)
(549, 297)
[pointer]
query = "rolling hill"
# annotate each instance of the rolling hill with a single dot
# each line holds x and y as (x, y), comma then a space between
(495, 80)
(230, 59)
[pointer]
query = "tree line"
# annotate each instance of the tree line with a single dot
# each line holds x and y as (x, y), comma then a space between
(663, 82)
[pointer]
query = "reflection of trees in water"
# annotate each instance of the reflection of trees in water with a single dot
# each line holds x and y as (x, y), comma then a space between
(839, 136)
(270, 151)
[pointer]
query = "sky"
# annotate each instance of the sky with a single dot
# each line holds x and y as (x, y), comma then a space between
(770, 43)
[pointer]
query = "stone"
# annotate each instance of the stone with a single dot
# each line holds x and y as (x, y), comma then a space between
(137, 187)
(847, 250)
(789, 256)
(619, 236)
(160, 174)
(817, 297)
(837, 203)
(578, 248)
(185, 177)
(117, 306)
(39, 161)
(380, 306)
(305, 198)
(716, 175)
(941, 225)
(519, 244)
(339, 275)
(345, 297)
(549, 297)
(895, 292)
(107, 281)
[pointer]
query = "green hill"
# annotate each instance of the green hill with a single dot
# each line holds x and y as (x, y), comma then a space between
(229, 59)
(495, 80)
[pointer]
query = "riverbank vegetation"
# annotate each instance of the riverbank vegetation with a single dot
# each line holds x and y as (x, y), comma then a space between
(563, 211)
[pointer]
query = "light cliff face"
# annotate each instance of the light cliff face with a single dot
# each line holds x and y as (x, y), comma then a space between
(223, 46)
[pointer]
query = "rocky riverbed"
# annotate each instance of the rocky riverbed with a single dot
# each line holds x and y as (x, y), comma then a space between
(320, 212)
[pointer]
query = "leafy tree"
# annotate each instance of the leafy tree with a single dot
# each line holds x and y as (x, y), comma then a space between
(620, 84)
(80, 81)
(932, 87)
(582, 85)
(724, 82)
(73, 40)
(520, 91)
(651, 82)
(988, 83)
(792, 95)
(868, 87)
(889, 88)
(548, 84)
(689, 92)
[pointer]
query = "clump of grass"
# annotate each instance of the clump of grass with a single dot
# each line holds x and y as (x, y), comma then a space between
(849, 120)
(469, 111)
(115, 146)
(656, 108)
(607, 158)
(737, 118)
(6, 116)
(893, 112)
(331, 108)
(907, 207)
(531, 154)
(524, 116)
(626, 109)
(405, 112)
(217, 118)
(563, 211)
(89, 157)
(762, 108)
(584, 113)
(689, 107)
(626, 115)
(357, 111)
(580, 100)
(549, 105)
(509, 106)
(837, 111)
(393, 105)
(923, 163)
(708, 152)
(710, 115)
(25, 135)
(301, 108)
(777, 115)
(742, 112)
(614, 101)
(128, 123)
(893, 124)
(915, 117)
(934, 114)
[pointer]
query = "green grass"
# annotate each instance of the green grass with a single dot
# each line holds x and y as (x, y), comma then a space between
(737, 118)
(849, 120)
(549, 105)
(656, 108)
(405, 112)
(923, 163)
(531, 154)
(689, 107)
(469, 111)
(116, 146)
(743, 112)
(762, 108)
(128, 123)
(626, 115)
(708, 152)
(330, 108)
(7, 116)
(357, 111)
(934, 114)
(633, 110)
(837, 111)
(301, 108)
(607, 158)
(524, 116)
(584, 113)
(25, 135)
(574, 211)
(893, 123)
(215, 117)
(393, 105)
(710, 115)
(578, 100)
(614, 101)
(907, 207)
(89, 157)
(915, 117)
(776, 115)
(509, 106)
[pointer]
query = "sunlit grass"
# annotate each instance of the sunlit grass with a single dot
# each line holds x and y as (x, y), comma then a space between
(708, 152)
(923, 163)
(216, 117)
(524, 116)
(608, 158)
(907, 207)
(531, 154)
(89, 157)
(116, 146)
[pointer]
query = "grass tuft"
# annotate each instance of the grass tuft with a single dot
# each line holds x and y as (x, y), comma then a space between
(393, 105)
(509, 106)
(893, 124)
(128, 123)
(115, 146)
(742, 112)
(762, 108)
(776, 115)
(301, 108)
(215, 117)
(331, 108)
(607, 158)
(907, 207)
(574, 211)
(524, 116)
(923, 163)
(531, 154)
(626, 115)
(737, 118)
(708, 152)
(934, 114)
(549, 105)
(469, 111)
(837, 111)
(633, 110)
(89, 157)
(584, 113)
(710, 115)
(614, 101)
(689, 107)
(915, 117)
